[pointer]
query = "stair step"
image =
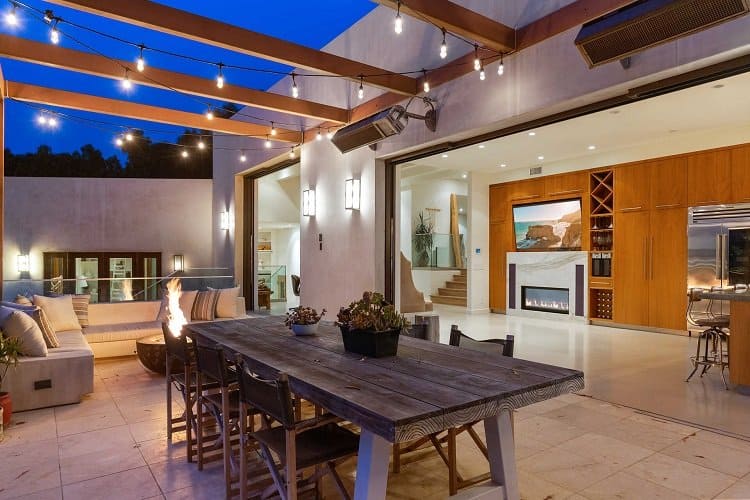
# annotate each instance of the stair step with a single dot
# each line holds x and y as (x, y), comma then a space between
(452, 292)
(459, 279)
(453, 301)
(455, 284)
(463, 272)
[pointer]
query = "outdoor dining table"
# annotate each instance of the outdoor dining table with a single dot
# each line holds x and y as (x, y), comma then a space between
(427, 388)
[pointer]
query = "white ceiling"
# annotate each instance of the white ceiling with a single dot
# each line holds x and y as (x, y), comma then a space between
(652, 124)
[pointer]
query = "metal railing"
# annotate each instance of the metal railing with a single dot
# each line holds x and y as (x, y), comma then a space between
(274, 277)
(437, 250)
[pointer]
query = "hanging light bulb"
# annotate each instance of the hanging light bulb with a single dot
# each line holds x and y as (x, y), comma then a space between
(201, 144)
(477, 61)
(443, 47)
(52, 122)
(482, 76)
(268, 143)
(329, 135)
(126, 83)
(501, 68)
(319, 137)
(210, 114)
(129, 137)
(398, 26)
(54, 34)
(273, 129)
(295, 89)
(11, 18)
(220, 77)
(140, 62)
(425, 83)
(48, 16)
(184, 153)
(119, 141)
(291, 153)
(41, 119)
(361, 91)
(243, 158)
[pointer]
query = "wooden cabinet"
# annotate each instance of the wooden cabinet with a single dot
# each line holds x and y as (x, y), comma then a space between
(632, 187)
(630, 267)
(498, 203)
(571, 184)
(528, 190)
(499, 246)
(740, 160)
(668, 182)
(709, 177)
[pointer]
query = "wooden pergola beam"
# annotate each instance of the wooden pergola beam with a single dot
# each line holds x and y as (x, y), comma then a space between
(461, 21)
(201, 29)
(94, 104)
(53, 56)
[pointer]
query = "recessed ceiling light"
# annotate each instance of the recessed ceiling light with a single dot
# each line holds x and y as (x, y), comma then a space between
(461, 210)
(445, 155)
(540, 157)
(503, 165)
(464, 175)
(481, 146)
(592, 147)
(532, 134)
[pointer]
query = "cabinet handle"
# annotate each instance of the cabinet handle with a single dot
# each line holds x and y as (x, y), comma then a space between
(528, 196)
(651, 257)
(645, 258)
(708, 201)
(668, 206)
(630, 209)
(569, 191)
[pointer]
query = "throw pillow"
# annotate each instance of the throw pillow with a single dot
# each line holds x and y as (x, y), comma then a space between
(20, 325)
(204, 308)
(81, 308)
(187, 299)
(226, 306)
(37, 314)
(59, 311)
(23, 300)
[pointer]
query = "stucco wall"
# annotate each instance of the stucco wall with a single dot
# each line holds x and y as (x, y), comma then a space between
(151, 215)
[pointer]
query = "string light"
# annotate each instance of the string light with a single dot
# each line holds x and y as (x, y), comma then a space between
(268, 143)
(329, 135)
(46, 121)
(220, 76)
(398, 26)
(273, 129)
(129, 137)
(184, 153)
(425, 84)
(210, 114)
(140, 62)
(482, 76)
(501, 68)
(41, 120)
(477, 61)
(243, 158)
(201, 144)
(52, 122)
(295, 89)
(48, 16)
(126, 83)
(319, 137)
(11, 18)
(291, 153)
(119, 142)
(361, 91)
(443, 46)
(54, 33)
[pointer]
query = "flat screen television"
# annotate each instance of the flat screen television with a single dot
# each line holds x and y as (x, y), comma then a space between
(549, 225)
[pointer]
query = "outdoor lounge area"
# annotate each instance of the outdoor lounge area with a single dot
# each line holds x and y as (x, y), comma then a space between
(375, 249)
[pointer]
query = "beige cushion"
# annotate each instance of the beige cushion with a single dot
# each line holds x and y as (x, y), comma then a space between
(48, 331)
(226, 307)
(21, 326)
(204, 308)
(187, 299)
(109, 313)
(123, 331)
(23, 300)
(59, 311)
(81, 308)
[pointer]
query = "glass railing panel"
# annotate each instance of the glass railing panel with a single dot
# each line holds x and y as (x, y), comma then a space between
(438, 251)
(273, 277)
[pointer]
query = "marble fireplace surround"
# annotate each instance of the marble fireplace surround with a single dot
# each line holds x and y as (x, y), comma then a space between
(548, 269)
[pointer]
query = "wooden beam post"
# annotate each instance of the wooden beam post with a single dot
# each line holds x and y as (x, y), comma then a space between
(201, 29)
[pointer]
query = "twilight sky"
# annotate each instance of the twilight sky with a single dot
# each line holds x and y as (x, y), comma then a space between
(313, 24)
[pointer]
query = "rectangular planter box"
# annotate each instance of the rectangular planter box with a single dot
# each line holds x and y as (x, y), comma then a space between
(371, 344)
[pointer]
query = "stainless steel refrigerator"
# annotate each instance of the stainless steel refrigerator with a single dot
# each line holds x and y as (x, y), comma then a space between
(719, 245)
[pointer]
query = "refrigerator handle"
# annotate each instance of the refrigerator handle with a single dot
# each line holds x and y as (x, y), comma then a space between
(725, 259)
(719, 257)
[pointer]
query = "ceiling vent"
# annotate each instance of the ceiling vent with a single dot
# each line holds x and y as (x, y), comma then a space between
(381, 125)
(535, 171)
(647, 23)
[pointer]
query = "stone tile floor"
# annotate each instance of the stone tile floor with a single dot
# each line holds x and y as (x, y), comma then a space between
(113, 445)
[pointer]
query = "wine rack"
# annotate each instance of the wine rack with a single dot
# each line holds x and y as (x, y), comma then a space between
(601, 303)
(601, 233)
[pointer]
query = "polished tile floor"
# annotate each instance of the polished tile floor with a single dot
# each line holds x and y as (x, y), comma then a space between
(113, 444)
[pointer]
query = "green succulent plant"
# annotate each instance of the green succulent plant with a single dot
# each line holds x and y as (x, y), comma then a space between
(372, 313)
(10, 348)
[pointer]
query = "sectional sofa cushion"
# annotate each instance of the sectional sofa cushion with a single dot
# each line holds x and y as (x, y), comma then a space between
(59, 311)
(21, 326)
(226, 306)
(187, 299)
(23, 300)
(37, 314)
(122, 331)
(81, 308)
(204, 308)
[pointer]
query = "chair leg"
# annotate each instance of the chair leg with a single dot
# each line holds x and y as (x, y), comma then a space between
(243, 450)
(199, 410)
(169, 399)
(226, 443)
(190, 398)
(337, 481)
(291, 465)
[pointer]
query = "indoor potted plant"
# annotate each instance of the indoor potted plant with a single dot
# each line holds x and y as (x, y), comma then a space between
(9, 351)
(303, 320)
(423, 240)
(371, 326)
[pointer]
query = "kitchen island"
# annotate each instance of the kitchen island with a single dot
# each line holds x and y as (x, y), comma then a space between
(739, 327)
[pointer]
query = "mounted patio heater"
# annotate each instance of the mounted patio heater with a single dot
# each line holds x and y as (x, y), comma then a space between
(647, 23)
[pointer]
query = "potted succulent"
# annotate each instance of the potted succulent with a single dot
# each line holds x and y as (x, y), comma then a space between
(9, 351)
(303, 320)
(371, 326)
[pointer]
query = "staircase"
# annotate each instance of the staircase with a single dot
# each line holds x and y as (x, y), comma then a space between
(454, 293)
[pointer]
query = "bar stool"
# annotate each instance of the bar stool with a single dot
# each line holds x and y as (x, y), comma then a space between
(712, 340)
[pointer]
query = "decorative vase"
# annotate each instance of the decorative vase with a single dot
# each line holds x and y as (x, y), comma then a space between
(7, 406)
(371, 343)
(304, 330)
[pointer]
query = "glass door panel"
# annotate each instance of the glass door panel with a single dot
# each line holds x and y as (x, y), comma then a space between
(121, 282)
(151, 282)
(87, 276)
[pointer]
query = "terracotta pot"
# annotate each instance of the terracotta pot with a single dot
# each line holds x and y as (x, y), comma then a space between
(7, 405)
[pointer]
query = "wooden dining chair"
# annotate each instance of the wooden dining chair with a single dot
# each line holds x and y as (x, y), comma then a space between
(290, 446)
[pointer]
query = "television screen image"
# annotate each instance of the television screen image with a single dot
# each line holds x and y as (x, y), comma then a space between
(553, 225)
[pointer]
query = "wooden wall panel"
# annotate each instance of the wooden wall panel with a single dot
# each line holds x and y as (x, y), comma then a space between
(668, 183)
(709, 177)
(741, 173)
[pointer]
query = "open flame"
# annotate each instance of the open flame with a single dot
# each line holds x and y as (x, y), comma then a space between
(176, 320)
(127, 289)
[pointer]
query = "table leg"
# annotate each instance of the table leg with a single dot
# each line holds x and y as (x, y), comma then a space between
(501, 450)
(372, 467)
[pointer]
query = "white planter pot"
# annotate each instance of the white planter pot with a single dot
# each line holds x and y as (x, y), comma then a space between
(302, 330)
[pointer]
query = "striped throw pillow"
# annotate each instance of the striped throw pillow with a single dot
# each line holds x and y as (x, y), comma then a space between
(81, 308)
(23, 300)
(48, 333)
(204, 307)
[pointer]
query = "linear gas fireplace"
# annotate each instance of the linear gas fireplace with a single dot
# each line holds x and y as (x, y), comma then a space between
(545, 299)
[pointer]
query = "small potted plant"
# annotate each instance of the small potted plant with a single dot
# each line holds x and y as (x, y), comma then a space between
(9, 351)
(371, 326)
(303, 320)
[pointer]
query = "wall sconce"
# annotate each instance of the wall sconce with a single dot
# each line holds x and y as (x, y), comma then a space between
(178, 262)
(224, 221)
(351, 194)
(308, 202)
(22, 263)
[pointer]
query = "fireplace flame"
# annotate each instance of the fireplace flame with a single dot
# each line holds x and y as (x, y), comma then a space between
(127, 289)
(176, 319)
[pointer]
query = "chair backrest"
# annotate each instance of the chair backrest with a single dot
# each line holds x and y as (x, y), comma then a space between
(272, 397)
(416, 330)
(210, 361)
(295, 284)
(498, 346)
(177, 347)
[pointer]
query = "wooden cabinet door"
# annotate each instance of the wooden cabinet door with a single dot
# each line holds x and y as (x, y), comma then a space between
(741, 173)
(709, 177)
(630, 269)
(497, 265)
(566, 185)
(632, 187)
(498, 203)
(667, 268)
(526, 191)
(668, 183)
